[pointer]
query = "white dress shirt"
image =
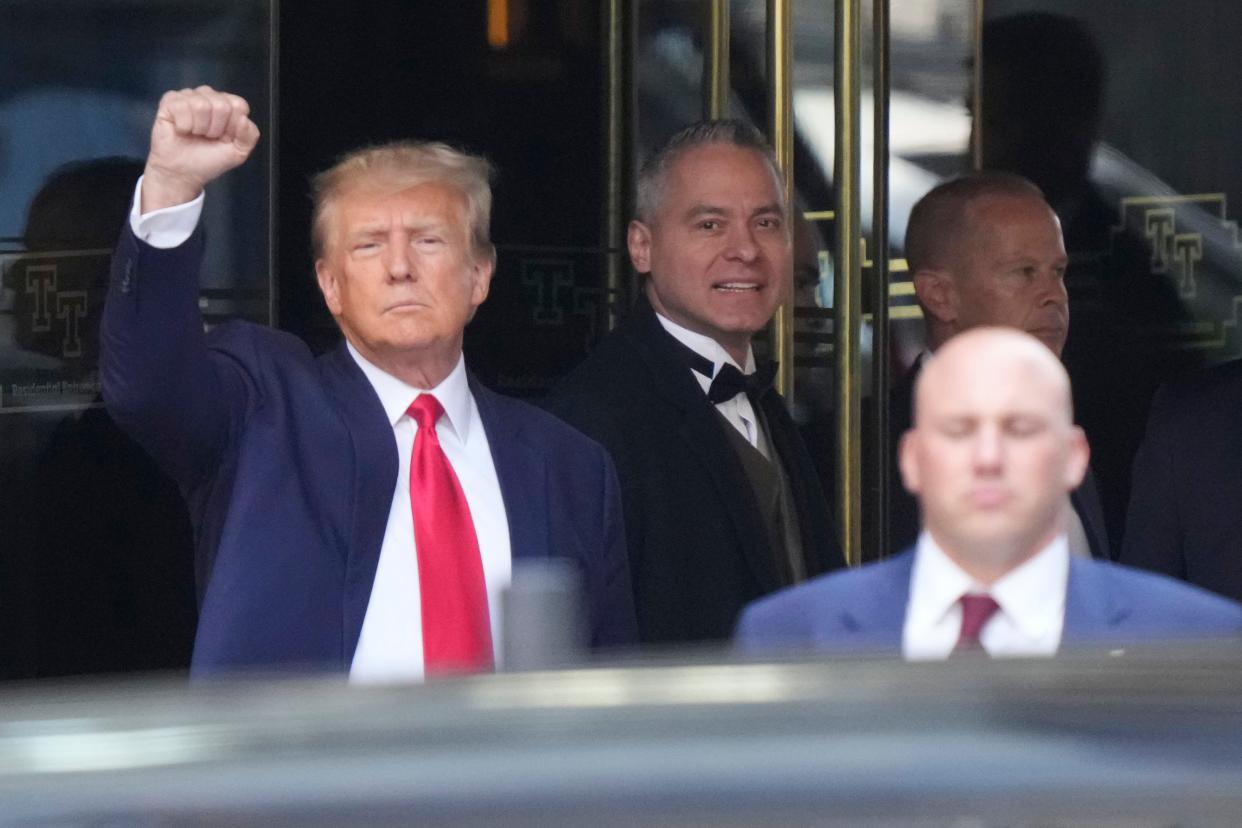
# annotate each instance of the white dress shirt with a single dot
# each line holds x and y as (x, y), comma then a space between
(738, 411)
(390, 647)
(1031, 599)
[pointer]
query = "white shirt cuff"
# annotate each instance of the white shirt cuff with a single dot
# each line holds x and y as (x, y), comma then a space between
(165, 228)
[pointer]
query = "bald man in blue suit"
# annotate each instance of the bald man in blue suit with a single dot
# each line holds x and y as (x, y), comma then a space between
(991, 455)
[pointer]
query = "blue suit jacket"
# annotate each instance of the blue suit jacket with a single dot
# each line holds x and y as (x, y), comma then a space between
(288, 465)
(864, 610)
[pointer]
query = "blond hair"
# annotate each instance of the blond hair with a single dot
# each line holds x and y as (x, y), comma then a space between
(397, 166)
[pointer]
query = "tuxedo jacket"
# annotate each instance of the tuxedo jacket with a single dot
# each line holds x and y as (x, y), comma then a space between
(288, 465)
(1185, 514)
(903, 514)
(698, 547)
(864, 610)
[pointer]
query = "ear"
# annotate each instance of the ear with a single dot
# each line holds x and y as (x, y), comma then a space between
(908, 463)
(328, 285)
(1079, 457)
(937, 294)
(638, 239)
(481, 272)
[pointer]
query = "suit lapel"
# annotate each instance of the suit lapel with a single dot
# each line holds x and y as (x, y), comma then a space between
(522, 473)
(1092, 606)
(700, 428)
(876, 611)
(375, 479)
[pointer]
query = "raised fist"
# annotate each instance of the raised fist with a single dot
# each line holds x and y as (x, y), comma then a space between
(198, 135)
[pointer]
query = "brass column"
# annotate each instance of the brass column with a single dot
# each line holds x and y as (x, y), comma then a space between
(780, 87)
(879, 275)
(848, 275)
(716, 61)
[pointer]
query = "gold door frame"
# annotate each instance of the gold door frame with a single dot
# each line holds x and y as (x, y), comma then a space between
(620, 22)
(847, 302)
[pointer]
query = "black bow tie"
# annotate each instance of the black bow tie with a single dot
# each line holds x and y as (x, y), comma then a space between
(728, 382)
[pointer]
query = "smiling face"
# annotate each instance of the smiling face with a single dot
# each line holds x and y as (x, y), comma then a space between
(399, 276)
(717, 247)
(993, 452)
(1010, 270)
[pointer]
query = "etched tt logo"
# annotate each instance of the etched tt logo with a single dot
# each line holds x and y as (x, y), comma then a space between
(51, 306)
(1172, 251)
(548, 281)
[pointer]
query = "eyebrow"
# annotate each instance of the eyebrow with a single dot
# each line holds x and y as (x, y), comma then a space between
(382, 228)
(424, 226)
(699, 210)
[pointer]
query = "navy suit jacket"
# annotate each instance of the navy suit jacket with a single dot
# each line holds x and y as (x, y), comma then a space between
(288, 465)
(864, 610)
(1185, 516)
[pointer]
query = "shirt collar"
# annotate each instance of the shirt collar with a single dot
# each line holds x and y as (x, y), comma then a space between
(453, 393)
(935, 584)
(706, 347)
(1032, 596)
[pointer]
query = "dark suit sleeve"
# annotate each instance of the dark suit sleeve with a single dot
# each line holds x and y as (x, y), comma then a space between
(160, 381)
(594, 418)
(1153, 537)
(614, 622)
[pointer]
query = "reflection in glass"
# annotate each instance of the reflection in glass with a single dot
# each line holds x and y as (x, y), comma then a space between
(95, 567)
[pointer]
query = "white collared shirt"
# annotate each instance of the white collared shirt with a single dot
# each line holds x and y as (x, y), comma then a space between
(738, 411)
(390, 647)
(1031, 598)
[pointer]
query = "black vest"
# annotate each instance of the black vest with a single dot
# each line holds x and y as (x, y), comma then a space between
(774, 498)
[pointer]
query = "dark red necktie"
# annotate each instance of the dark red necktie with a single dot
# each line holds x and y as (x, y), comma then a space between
(976, 611)
(457, 633)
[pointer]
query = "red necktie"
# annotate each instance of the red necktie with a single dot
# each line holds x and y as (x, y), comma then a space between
(456, 628)
(976, 611)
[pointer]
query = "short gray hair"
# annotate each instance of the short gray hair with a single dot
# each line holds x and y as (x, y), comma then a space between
(399, 165)
(938, 220)
(654, 171)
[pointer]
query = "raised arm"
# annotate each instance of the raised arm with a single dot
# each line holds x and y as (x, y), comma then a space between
(160, 380)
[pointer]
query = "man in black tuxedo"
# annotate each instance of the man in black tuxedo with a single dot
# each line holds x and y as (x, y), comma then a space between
(1185, 515)
(986, 249)
(720, 499)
